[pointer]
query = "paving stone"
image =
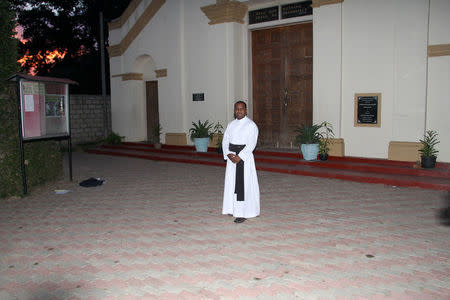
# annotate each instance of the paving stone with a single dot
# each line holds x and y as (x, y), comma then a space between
(154, 230)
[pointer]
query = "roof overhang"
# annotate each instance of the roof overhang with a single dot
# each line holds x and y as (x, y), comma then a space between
(18, 76)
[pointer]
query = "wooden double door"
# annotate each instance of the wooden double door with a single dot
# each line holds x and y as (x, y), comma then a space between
(282, 64)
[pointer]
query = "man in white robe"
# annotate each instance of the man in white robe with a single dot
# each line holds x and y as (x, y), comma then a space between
(240, 199)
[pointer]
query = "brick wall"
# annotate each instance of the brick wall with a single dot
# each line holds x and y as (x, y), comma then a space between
(86, 118)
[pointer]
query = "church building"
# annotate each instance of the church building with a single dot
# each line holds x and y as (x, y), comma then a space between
(378, 71)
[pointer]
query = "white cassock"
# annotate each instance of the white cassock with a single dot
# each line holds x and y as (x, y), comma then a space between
(241, 132)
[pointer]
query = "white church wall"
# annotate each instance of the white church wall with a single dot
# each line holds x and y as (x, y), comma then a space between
(215, 65)
(160, 39)
(383, 52)
(360, 46)
(115, 36)
(199, 58)
(127, 111)
(439, 22)
(438, 104)
(409, 73)
(117, 89)
(205, 48)
(438, 100)
(239, 74)
(327, 64)
(246, 70)
(115, 65)
(125, 104)
(367, 57)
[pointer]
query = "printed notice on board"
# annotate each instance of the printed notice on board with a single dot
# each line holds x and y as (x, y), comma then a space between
(29, 103)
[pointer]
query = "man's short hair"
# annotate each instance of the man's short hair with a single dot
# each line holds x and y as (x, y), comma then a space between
(240, 101)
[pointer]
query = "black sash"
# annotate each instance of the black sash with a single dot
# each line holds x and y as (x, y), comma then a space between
(239, 185)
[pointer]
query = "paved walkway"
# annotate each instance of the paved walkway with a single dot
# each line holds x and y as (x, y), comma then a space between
(154, 231)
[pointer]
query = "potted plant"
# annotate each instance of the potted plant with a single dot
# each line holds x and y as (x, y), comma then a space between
(157, 130)
(200, 134)
(308, 138)
(114, 139)
(429, 151)
(325, 142)
(312, 139)
(218, 130)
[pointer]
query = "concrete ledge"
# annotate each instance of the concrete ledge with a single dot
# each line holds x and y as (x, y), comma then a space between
(404, 151)
(117, 23)
(438, 50)
(225, 11)
(131, 76)
(178, 139)
(319, 3)
(161, 73)
(337, 147)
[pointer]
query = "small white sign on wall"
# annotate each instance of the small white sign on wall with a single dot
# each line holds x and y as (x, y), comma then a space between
(29, 103)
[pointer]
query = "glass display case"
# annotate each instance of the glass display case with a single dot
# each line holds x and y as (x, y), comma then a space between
(45, 109)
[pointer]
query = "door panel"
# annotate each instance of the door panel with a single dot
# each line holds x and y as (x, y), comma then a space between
(282, 82)
(151, 89)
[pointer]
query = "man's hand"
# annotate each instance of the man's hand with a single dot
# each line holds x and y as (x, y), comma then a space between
(234, 158)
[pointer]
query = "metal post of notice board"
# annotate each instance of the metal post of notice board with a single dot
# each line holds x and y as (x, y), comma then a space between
(22, 158)
(70, 157)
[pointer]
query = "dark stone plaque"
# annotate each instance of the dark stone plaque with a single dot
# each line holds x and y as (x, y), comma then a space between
(263, 15)
(297, 9)
(367, 110)
(198, 97)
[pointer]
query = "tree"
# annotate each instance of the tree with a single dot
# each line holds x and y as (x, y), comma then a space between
(69, 29)
(8, 50)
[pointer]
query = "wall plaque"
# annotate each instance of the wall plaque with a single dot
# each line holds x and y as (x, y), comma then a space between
(368, 109)
(198, 97)
(263, 15)
(296, 9)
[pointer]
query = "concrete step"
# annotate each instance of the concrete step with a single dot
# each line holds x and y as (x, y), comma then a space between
(381, 171)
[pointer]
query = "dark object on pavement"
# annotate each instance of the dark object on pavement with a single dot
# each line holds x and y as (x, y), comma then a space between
(239, 220)
(91, 182)
(444, 213)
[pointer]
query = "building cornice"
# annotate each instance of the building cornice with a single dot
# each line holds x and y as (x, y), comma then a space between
(161, 73)
(139, 76)
(117, 23)
(318, 3)
(129, 76)
(114, 50)
(438, 50)
(147, 15)
(225, 11)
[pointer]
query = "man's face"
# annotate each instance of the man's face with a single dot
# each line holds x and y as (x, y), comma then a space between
(240, 111)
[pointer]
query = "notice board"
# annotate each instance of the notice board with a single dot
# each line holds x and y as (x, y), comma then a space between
(44, 108)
